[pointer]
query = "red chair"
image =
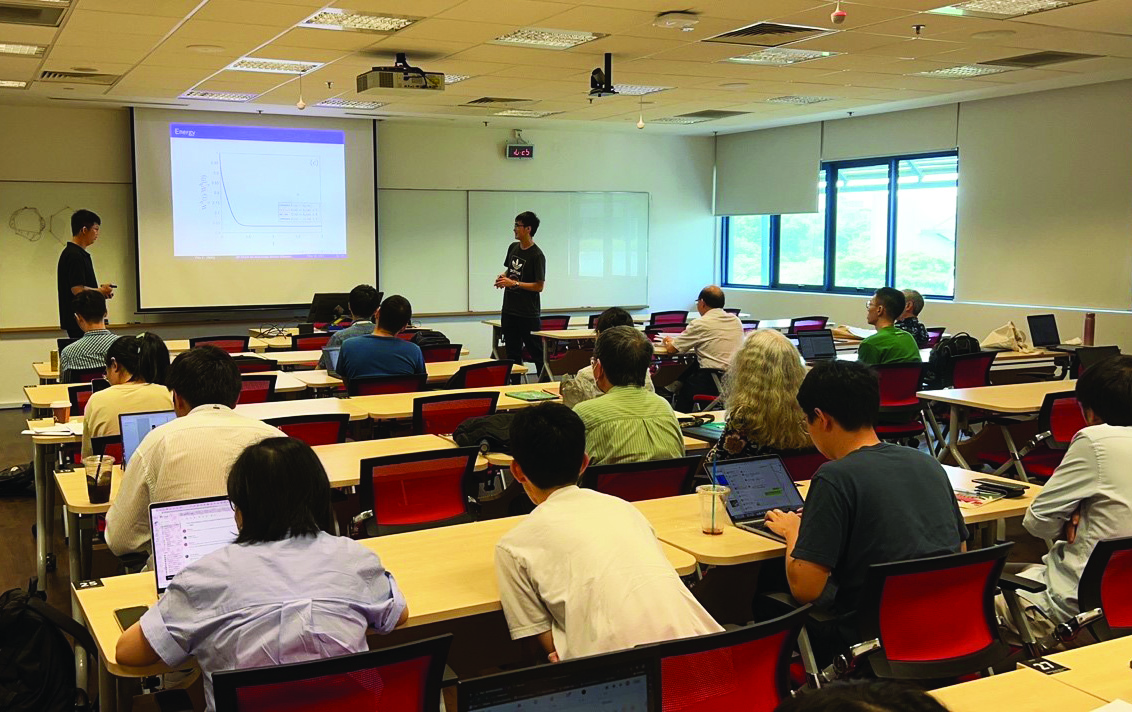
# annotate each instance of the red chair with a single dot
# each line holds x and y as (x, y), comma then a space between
(419, 490)
(900, 416)
(1058, 421)
(554, 322)
(1086, 357)
(807, 323)
(404, 678)
(592, 323)
(108, 445)
(85, 375)
(481, 375)
(935, 333)
(643, 480)
(407, 334)
(79, 394)
(231, 344)
(970, 370)
(323, 429)
(254, 364)
(256, 389)
(745, 669)
(309, 342)
(441, 415)
(802, 464)
(441, 352)
(1103, 593)
(384, 385)
(669, 318)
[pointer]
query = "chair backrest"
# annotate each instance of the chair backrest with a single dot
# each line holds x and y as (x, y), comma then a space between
(309, 342)
(1088, 356)
(85, 375)
(407, 333)
(108, 445)
(64, 342)
(231, 344)
(418, 490)
(744, 669)
(736, 312)
(254, 364)
(404, 678)
(807, 323)
(935, 333)
(802, 464)
(79, 394)
(384, 385)
(1106, 583)
(555, 322)
(668, 318)
(898, 385)
(934, 616)
(643, 480)
(441, 352)
(971, 370)
(441, 415)
(482, 375)
(592, 323)
(259, 388)
(323, 429)
(1061, 416)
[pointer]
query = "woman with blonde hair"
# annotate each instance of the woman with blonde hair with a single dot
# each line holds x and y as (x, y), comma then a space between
(761, 392)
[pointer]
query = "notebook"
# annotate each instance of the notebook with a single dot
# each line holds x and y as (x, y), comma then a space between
(135, 426)
(758, 485)
(532, 395)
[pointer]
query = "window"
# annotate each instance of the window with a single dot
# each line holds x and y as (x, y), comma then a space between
(883, 221)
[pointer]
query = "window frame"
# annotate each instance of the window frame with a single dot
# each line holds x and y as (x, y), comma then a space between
(831, 170)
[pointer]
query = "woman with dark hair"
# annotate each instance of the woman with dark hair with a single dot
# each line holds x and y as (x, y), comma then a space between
(287, 590)
(136, 368)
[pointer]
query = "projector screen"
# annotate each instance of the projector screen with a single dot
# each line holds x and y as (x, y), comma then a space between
(242, 210)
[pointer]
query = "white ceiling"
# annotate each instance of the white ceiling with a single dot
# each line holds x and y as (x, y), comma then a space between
(147, 43)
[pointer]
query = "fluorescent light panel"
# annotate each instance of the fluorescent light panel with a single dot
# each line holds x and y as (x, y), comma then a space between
(966, 71)
(799, 100)
(546, 39)
(22, 50)
(12, 84)
(780, 56)
(205, 95)
(682, 120)
(272, 66)
(637, 89)
(340, 19)
(337, 103)
(1000, 8)
(454, 78)
(525, 113)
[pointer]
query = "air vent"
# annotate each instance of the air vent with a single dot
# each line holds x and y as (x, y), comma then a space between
(44, 16)
(712, 114)
(768, 34)
(1039, 59)
(491, 100)
(79, 78)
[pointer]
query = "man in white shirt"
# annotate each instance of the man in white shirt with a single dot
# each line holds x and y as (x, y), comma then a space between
(190, 456)
(584, 573)
(714, 338)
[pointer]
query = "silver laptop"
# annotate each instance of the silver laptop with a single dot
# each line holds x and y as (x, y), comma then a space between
(184, 531)
(332, 358)
(135, 426)
(758, 485)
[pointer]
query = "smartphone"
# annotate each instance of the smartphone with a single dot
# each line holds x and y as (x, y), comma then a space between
(128, 616)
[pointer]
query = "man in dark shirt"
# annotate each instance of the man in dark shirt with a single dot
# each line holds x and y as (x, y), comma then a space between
(873, 503)
(910, 320)
(75, 272)
(522, 281)
(382, 353)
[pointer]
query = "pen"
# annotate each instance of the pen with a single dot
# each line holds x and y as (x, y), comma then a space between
(550, 392)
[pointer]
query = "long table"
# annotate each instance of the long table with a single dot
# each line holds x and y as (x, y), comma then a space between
(438, 372)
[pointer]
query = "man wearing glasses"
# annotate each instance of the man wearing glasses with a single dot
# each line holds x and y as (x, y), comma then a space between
(889, 344)
(522, 281)
(714, 338)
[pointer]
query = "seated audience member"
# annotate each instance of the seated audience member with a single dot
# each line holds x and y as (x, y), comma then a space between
(714, 338)
(189, 456)
(584, 573)
(910, 318)
(761, 391)
(889, 344)
(363, 304)
(383, 353)
(862, 696)
(1089, 497)
(627, 424)
(874, 503)
(136, 368)
(286, 591)
(90, 350)
(583, 386)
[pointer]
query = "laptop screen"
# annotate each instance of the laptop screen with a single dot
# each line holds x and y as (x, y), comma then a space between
(332, 358)
(758, 485)
(1043, 330)
(816, 344)
(185, 531)
(135, 426)
(601, 683)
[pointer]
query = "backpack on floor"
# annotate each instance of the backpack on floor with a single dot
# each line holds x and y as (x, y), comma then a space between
(428, 337)
(939, 362)
(490, 433)
(18, 481)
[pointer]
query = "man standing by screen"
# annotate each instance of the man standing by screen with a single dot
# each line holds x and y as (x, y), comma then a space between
(75, 272)
(521, 282)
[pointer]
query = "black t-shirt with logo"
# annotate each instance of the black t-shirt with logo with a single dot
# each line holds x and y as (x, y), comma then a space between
(75, 268)
(521, 265)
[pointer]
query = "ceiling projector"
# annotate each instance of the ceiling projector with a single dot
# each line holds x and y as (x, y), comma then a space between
(400, 76)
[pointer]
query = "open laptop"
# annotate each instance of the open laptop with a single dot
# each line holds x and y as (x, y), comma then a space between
(135, 426)
(816, 345)
(1043, 332)
(184, 531)
(627, 681)
(332, 359)
(758, 485)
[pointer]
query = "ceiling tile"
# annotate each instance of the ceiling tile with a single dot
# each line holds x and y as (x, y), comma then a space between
(597, 19)
(253, 13)
(160, 8)
(857, 16)
(705, 28)
(276, 50)
(456, 30)
(513, 12)
(224, 33)
(29, 34)
(86, 55)
(1100, 64)
(624, 47)
(1075, 41)
(749, 12)
(61, 65)
(844, 42)
(524, 55)
(101, 39)
(418, 51)
(914, 48)
(413, 8)
(329, 39)
(1111, 16)
(95, 22)
(18, 67)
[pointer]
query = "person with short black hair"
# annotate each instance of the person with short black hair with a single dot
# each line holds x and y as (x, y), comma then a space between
(910, 318)
(862, 696)
(874, 503)
(382, 353)
(714, 338)
(89, 351)
(74, 273)
(286, 591)
(627, 424)
(582, 386)
(889, 344)
(584, 573)
(189, 456)
(522, 280)
(363, 303)
(136, 367)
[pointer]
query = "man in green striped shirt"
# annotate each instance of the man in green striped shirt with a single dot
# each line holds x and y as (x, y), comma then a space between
(628, 423)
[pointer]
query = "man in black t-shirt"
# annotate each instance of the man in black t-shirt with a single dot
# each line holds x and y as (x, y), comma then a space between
(75, 272)
(521, 281)
(873, 503)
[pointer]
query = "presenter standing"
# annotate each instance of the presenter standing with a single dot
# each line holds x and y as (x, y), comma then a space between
(522, 281)
(75, 272)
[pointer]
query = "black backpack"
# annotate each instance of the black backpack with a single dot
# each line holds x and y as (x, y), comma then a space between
(939, 362)
(428, 337)
(37, 664)
(18, 481)
(490, 433)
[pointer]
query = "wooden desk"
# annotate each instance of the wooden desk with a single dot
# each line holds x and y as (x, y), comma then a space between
(303, 406)
(438, 372)
(1101, 670)
(1023, 690)
(399, 406)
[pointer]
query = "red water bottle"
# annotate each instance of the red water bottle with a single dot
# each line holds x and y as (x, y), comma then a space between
(1090, 328)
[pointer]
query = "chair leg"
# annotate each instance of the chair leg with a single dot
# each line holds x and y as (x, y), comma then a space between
(1033, 650)
(809, 662)
(1015, 459)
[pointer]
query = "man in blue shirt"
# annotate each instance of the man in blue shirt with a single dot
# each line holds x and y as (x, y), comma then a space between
(382, 353)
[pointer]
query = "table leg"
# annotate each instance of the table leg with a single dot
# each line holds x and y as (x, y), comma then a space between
(933, 424)
(958, 415)
(1015, 457)
(496, 343)
(546, 375)
(40, 507)
(107, 688)
(74, 549)
(49, 513)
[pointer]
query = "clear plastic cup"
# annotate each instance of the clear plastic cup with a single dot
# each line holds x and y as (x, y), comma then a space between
(61, 409)
(713, 507)
(98, 476)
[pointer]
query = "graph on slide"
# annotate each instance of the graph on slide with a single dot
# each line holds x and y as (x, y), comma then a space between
(257, 192)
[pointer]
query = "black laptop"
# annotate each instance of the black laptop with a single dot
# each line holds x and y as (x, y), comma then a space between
(1043, 332)
(758, 485)
(816, 345)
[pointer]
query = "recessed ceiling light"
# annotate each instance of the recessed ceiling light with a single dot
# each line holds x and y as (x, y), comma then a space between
(273, 66)
(85, 70)
(1000, 8)
(546, 39)
(780, 56)
(683, 120)
(525, 113)
(23, 50)
(799, 100)
(12, 84)
(205, 48)
(454, 78)
(206, 95)
(682, 20)
(339, 19)
(337, 103)
(966, 71)
(637, 89)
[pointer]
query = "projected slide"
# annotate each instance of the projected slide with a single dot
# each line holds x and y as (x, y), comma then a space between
(257, 192)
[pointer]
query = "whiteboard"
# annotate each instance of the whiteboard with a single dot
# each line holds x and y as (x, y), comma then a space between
(596, 247)
(423, 248)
